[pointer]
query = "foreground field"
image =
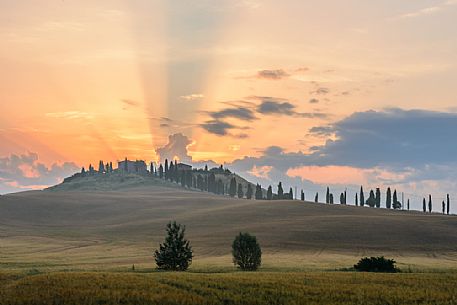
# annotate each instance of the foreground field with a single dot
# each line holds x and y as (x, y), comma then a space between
(111, 230)
(228, 288)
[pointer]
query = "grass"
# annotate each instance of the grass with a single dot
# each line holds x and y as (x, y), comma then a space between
(227, 288)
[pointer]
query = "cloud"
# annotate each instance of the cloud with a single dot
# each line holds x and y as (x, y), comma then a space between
(71, 115)
(175, 148)
(313, 101)
(192, 97)
(25, 172)
(241, 113)
(321, 91)
(272, 74)
(217, 127)
(270, 106)
(132, 103)
(428, 10)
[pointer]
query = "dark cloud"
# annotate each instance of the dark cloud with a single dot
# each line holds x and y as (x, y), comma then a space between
(272, 74)
(241, 113)
(393, 137)
(313, 101)
(176, 147)
(322, 130)
(271, 106)
(25, 172)
(217, 127)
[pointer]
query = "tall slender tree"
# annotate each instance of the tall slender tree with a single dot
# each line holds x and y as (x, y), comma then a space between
(327, 195)
(316, 198)
(240, 191)
(408, 204)
(302, 196)
(269, 193)
(429, 203)
(388, 198)
(424, 206)
(161, 171)
(166, 169)
(171, 172)
(331, 198)
(232, 188)
(356, 200)
(371, 201)
(291, 194)
(258, 192)
(378, 197)
(444, 207)
(249, 191)
(362, 197)
(448, 203)
(280, 191)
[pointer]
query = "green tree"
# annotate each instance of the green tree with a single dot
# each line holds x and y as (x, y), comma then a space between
(246, 252)
(362, 197)
(448, 204)
(258, 192)
(388, 198)
(443, 207)
(269, 193)
(101, 167)
(240, 191)
(175, 253)
(232, 188)
(429, 203)
(316, 198)
(371, 201)
(166, 169)
(302, 196)
(424, 206)
(356, 200)
(327, 195)
(249, 192)
(280, 191)
(378, 197)
(291, 194)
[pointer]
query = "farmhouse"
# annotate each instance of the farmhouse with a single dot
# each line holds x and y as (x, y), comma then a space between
(137, 166)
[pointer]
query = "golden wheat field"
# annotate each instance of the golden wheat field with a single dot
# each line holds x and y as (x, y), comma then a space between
(228, 288)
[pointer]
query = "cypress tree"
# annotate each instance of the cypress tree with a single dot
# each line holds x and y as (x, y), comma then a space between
(161, 171)
(424, 206)
(291, 194)
(388, 198)
(232, 189)
(302, 196)
(362, 197)
(176, 175)
(408, 204)
(378, 197)
(394, 198)
(280, 191)
(327, 195)
(269, 193)
(345, 197)
(371, 201)
(249, 192)
(331, 198)
(101, 167)
(341, 198)
(171, 172)
(240, 191)
(448, 204)
(166, 169)
(83, 171)
(356, 200)
(316, 198)
(429, 203)
(258, 192)
(444, 207)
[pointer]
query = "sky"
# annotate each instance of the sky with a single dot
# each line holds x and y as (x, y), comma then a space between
(312, 93)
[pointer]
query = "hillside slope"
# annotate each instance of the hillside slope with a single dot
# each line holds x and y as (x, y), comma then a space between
(105, 229)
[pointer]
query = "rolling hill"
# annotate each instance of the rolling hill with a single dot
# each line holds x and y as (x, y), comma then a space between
(108, 228)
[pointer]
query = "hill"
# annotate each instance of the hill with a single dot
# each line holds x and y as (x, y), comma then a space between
(105, 229)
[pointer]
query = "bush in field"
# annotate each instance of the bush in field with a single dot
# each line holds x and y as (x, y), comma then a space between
(175, 253)
(246, 252)
(376, 264)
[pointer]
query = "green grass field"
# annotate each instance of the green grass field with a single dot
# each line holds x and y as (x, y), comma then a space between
(228, 288)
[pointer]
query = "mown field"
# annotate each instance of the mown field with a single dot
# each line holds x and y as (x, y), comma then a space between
(228, 288)
(111, 230)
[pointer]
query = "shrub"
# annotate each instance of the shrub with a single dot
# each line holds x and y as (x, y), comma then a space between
(175, 253)
(376, 264)
(246, 252)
